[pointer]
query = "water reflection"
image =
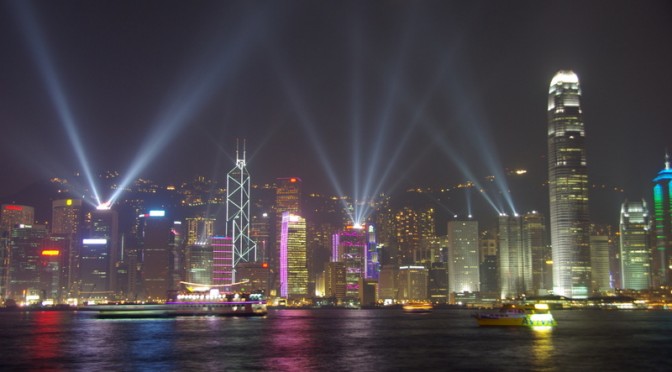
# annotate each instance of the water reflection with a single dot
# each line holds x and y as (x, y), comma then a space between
(46, 341)
(542, 347)
(291, 343)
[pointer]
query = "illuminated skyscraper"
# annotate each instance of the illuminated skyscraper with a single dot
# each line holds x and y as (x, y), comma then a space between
(11, 215)
(463, 260)
(599, 263)
(293, 265)
(413, 227)
(199, 263)
(635, 250)
(27, 243)
(156, 255)
(287, 199)
(534, 243)
(99, 251)
(372, 255)
(334, 278)
(568, 188)
(238, 213)
(514, 259)
(412, 283)
(94, 269)
(222, 260)
(350, 247)
(662, 226)
(65, 223)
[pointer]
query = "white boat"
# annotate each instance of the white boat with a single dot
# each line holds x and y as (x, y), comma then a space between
(186, 305)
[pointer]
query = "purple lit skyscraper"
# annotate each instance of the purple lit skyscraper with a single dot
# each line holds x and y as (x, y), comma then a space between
(222, 260)
(350, 247)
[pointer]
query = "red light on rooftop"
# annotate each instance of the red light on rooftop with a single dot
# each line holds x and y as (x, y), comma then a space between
(264, 265)
(292, 180)
(51, 252)
(13, 208)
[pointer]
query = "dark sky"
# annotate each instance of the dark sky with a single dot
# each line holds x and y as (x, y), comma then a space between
(399, 92)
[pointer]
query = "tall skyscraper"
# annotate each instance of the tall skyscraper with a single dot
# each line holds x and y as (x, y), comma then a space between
(463, 256)
(372, 255)
(293, 265)
(27, 244)
(568, 188)
(94, 269)
(635, 250)
(287, 199)
(238, 213)
(514, 260)
(99, 251)
(156, 255)
(66, 222)
(662, 226)
(350, 247)
(534, 243)
(11, 215)
(599, 263)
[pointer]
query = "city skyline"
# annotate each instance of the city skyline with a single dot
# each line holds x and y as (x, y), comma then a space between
(351, 97)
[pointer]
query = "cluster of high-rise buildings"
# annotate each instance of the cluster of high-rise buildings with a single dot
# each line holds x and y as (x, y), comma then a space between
(304, 248)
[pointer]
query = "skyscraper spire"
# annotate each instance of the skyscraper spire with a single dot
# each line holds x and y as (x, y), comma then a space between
(667, 159)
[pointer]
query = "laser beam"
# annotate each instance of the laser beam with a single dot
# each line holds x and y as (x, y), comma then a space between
(42, 56)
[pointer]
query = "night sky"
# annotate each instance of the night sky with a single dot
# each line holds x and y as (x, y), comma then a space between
(405, 93)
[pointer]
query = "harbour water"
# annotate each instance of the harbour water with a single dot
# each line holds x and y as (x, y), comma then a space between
(336, 340)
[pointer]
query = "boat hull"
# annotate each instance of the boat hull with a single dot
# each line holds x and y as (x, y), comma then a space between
(171, 310)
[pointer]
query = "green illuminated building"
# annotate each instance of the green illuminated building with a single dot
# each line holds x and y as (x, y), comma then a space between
(662, 226)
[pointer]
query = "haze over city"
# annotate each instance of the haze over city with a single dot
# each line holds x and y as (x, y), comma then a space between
(353, 97)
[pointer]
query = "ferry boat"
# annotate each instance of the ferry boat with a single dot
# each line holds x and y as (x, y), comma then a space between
(514, 315)
(189, 304)
(418, 307)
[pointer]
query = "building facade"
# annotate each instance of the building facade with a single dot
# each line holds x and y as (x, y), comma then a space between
(463, 256)
(350, 247)
(635, 250)
(293, 265)
(568, 188)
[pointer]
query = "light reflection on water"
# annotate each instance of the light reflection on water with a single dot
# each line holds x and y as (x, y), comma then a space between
(362, 340)
(542, 347)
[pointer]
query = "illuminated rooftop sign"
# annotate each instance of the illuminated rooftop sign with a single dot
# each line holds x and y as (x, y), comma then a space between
(13, 207)
(157, 213)
(51, 252)
(94, 241)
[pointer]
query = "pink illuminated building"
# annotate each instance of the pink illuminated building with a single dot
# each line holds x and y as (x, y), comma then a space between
(349, 246)
(222, 260)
